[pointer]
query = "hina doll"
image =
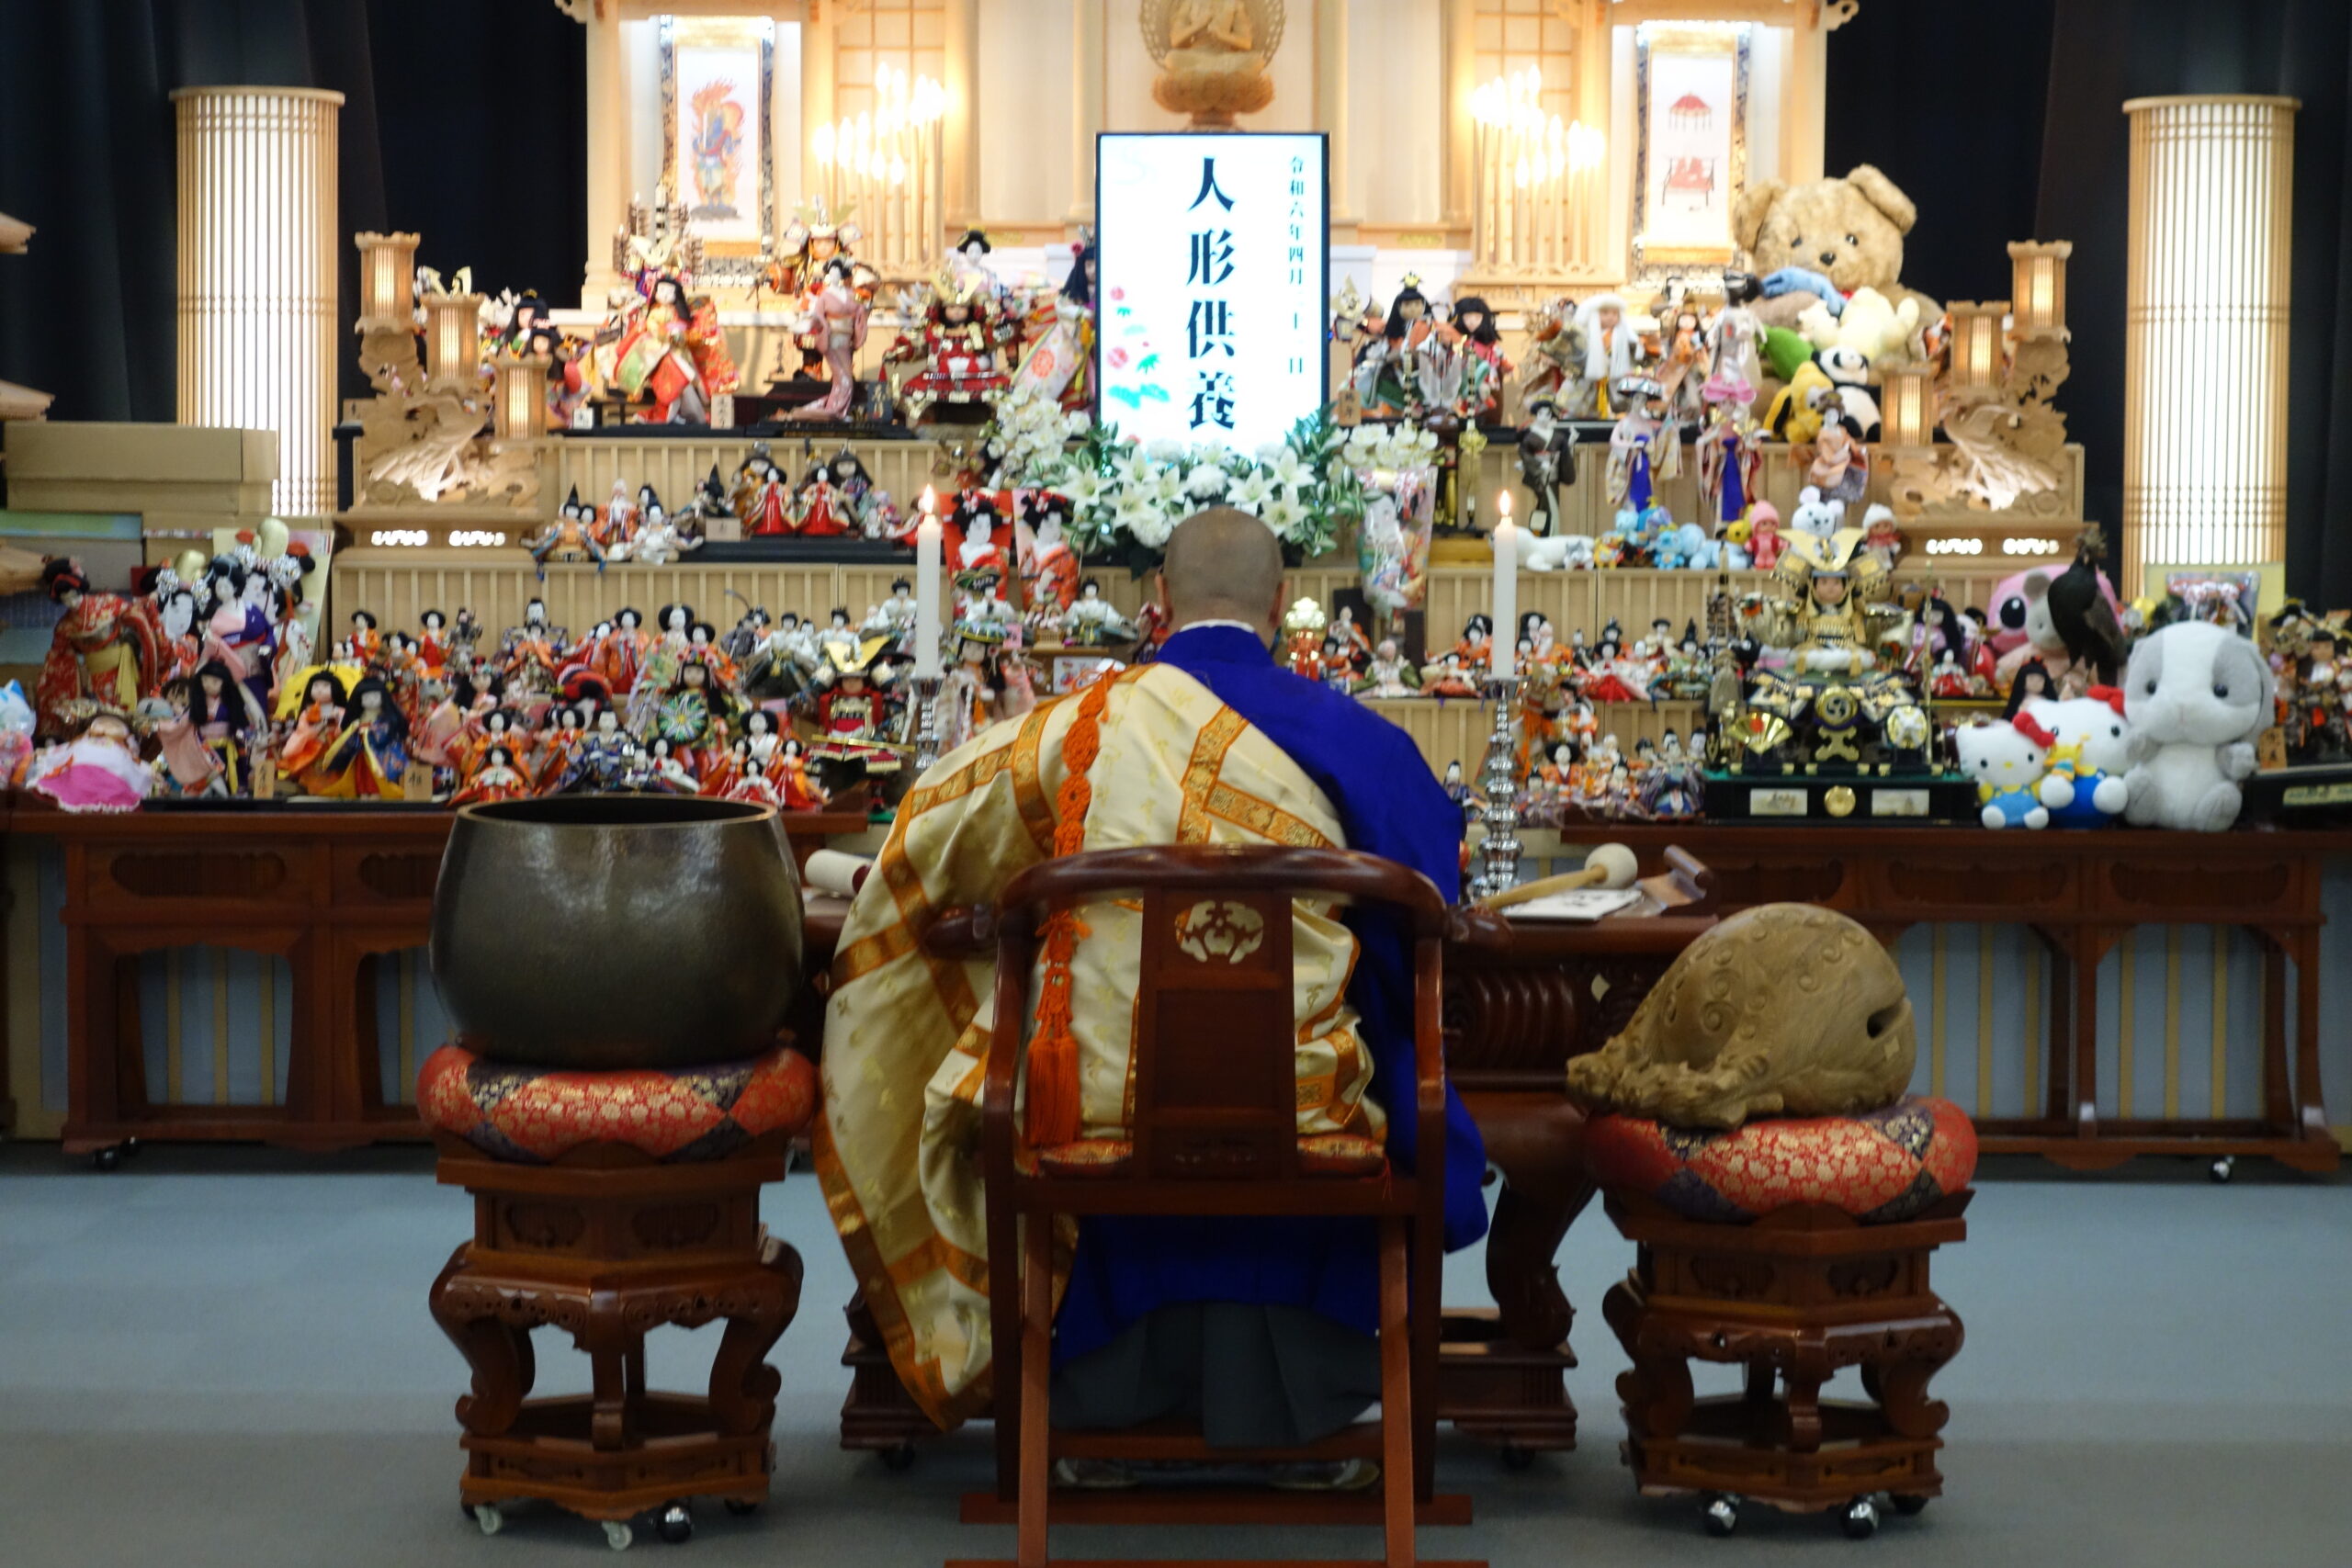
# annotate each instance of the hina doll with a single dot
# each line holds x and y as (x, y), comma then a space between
(318, 724)
(1444, 677)
(817, 511)
(1547, 459)
(1681, 365)
(570, 538)
(767, 513)
(1301, 651)
(958, 354)
(1346, 650)
(602, 756)
(1644, 450)
(837, 318)
(1060, 363)
(367, 756)
(694, 713)
(657, 364)
(1388, 380)
(433, 642)
(670, 768)
(1388, 673)
(1048, 565)
(1734, 346)
(1841, 466)
(1614, 677)
(866, 506)
(1093, 622)
(107, 647)
(531, 654)
(1611, 353)
(561, 749)
(97, 771)
(1731, 466)
(1554, 369)
(179, 645)
(790, 773)
(1484, 368)
(837, 641)
(738, 775)
(851, 716)
(968, 696)
(205, 740)
(980, 566)
(1475, 651)
(498, 777)
(496, 728)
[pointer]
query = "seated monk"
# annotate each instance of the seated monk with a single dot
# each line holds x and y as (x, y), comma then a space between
(1261, 1329)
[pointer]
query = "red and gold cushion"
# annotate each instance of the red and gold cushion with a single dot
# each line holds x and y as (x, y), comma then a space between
(534, 1114)
(1319, 1154)
(1880, 1167)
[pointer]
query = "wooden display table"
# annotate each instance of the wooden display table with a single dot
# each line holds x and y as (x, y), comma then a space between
(325, 887)
(2080, 893)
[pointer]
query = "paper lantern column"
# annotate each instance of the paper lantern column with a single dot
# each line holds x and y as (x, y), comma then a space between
(2205, 453)
(257, 228)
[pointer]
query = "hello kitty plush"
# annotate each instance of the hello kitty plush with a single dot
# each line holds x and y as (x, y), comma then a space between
(2197, 696)
(1816, 517)
(2084, 787)
(2006, 762)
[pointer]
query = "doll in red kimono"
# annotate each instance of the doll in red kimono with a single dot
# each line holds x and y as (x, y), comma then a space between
(106, 649)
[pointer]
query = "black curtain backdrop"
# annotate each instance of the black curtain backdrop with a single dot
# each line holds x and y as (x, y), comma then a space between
(2004, 119)
(462, 121)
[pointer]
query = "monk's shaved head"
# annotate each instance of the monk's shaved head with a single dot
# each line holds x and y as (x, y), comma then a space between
(1224, 565)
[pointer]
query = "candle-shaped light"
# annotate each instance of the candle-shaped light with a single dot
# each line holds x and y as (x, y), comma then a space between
(927, 544)
(1505, 639)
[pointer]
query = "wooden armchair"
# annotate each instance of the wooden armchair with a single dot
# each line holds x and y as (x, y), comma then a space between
(1214, 1133)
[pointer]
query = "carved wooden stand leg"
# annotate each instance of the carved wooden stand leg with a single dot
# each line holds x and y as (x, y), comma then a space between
(1793, 1299)
(607, 1245)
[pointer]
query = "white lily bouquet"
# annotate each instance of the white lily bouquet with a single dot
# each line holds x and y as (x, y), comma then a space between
(1126, 497)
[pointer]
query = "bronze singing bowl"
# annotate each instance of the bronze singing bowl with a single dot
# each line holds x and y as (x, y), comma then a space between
(603, 931)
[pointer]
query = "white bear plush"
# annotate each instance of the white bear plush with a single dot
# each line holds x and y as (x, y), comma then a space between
(2085, 786)
(1554, 552)
(1816, 516)
(1870, 325)
(2197, 696)
(2005, 761)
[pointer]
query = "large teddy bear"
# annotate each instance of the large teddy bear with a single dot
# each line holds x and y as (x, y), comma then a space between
(1846, 234)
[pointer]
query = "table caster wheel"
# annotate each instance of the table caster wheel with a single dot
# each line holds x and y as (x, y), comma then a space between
(1722, 1514)
(676, 1525)
(1516, 1457)
(489, 1517)
(1860, 1520)
(2224, 1168)
(618, 1535)
(739, 1506)
(900, 1456)
(107, 1160)
(1908, 1503)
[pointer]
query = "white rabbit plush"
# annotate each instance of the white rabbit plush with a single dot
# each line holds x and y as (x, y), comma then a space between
(2197, 696)
(2005, 761)
(1554, 552)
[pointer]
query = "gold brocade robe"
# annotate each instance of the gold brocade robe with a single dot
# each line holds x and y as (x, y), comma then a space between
(907, 1035)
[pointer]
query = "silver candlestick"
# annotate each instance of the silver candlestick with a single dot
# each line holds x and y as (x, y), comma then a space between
(1499, 783)
(926, 723)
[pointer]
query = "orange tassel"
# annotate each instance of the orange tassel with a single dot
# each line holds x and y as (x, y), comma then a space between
(1054, 1111)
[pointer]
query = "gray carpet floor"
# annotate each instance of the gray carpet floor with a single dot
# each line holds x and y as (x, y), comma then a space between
(224, 1356)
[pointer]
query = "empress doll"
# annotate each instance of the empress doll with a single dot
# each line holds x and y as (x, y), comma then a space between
(498, 778)
(368, 755)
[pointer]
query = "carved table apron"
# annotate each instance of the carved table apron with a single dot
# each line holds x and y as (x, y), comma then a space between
(325, 888)
(2080, 893)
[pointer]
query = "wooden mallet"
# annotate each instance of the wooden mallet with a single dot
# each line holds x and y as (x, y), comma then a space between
(1609, 865)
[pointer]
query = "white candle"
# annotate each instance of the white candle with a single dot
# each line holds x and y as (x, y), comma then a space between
(927, 540)
(1505, 642)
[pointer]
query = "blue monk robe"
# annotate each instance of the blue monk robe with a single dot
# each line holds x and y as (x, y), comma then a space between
(1389, 805)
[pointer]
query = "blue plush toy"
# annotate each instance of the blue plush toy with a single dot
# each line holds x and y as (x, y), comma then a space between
(1798, 280)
